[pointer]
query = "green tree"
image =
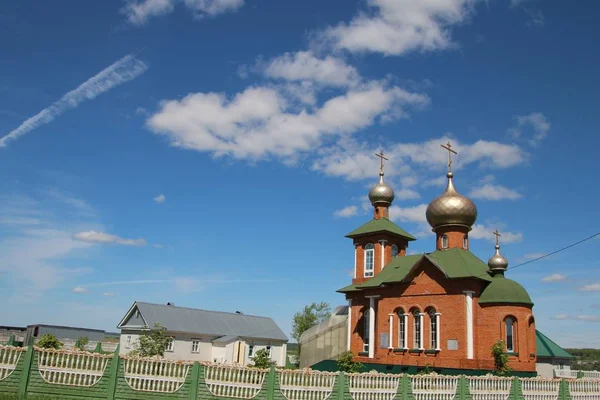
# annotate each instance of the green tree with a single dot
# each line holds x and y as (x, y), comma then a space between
(82, 342)
(346, 363)
(262, 359)
(153, 343)
(310, 316)
(500, 359)
(49, 341)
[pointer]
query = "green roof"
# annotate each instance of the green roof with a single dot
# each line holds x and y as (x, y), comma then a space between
(454, 263)
(547, 348)
(380, 225)
(503, 290)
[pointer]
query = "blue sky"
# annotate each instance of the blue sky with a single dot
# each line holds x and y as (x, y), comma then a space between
(214, 153)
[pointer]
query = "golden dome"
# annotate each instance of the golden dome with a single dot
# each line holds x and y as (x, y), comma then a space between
(451, 208)
(497, 262)
(381, 193)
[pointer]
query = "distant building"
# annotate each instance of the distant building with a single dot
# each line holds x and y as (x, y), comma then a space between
(201, 335)
(550, 356)
(18, 332)
(67, 335)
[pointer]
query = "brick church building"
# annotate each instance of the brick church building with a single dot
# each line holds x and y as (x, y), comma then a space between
(443, 309)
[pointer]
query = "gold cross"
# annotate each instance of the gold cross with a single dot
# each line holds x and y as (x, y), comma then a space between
(450, 151)
(380, 155)
(497, 237)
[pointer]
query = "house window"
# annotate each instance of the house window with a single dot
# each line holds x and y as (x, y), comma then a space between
(401, 329)
(433, 328)
(251, 350)
(444, 242)
(195, 346)
(394, 250)
(510, 330)
(128, 343)
(417, 330)
(269, 351)
(465, 242)
(369, 260)
(170, 346)
(366, 331)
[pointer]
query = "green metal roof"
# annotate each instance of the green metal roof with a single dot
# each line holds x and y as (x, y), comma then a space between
(454, 263)
(547, 348)
(380, 225)
(503, 290)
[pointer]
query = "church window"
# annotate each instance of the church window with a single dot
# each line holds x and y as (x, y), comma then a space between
(401, 329)
(444, 242)
(465, 242)
(394, 250)
(510, 330)
(417, 330)
(369, 260)
(433, 328)
(366, 332)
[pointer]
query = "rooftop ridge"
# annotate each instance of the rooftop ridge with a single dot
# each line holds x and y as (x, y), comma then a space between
(203, 310)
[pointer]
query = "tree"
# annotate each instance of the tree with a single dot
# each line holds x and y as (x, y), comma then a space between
(153, 343)
(500, 359)
(49, 341)
(262, 359)
(310, 316)
(82, 342)
(346, 363)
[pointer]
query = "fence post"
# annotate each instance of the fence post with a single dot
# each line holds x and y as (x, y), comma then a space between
(11, 341)
(580, 374)
(114, 374)
(27, 362)
(271, 384)
(405, 385)
(563, 390)
(516, 388)
(195, 379)
(462, 391)
(341, 386)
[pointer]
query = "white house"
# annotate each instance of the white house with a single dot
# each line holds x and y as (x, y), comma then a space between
(201, 335)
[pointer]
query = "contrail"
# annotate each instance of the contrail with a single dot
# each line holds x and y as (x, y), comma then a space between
(124, 70)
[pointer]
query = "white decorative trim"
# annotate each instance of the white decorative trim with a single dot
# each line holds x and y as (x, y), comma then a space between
(154, 374)
(372, 318)
(469, 315)
(391, 338)
(355, 260)
(9, 358)
(369, 386)
(489, 387)
(382, 242)
(405, 316)
(234, 382)
(349, 328)
(422, 331)
(71, 368)
(540, 389)
(433, 386)
(437, 331)
(306, 385)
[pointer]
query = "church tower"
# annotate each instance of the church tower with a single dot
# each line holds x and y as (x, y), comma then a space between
(379, 240)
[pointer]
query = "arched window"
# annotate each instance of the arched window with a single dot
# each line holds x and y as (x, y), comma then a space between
(433, 329)
(402, 333)
(465, 242)
(366, 332)
(369, 260)
(444, 242)
(509, 323)
(417, 331)
(394, 250)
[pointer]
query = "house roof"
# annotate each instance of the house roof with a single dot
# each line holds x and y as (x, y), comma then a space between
(547, 348)
(204, 322)
(380, 225)
(453, 263)
(504, 291)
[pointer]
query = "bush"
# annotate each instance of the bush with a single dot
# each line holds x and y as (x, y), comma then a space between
(500, 359)
(262, 359)
(49, 341)
(346, 363)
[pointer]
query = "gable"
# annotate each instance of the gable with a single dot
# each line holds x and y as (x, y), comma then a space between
(133, 319)
(426, 278)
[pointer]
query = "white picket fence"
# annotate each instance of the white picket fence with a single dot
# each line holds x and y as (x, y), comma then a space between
(584, 389)
(373, 386)
(489, 387)
(306, 384)
(232, 381)
(155, 375)
(71, 368)
(9, 358)
(434, 387)
(540, 389)
(573, 373)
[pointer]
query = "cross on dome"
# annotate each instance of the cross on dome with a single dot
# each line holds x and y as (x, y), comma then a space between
(381, 157)
(448, 147)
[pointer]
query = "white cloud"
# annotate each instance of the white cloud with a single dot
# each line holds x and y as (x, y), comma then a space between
(305, 66)
(161, 198)
(79, 289)
(346, 212)
(440, 181)
(139, 11)
(259, 123)
(537, 122)
(108, 294)
(561, 317)
(494, 192)
(532, 256)
(588, 318)
(406, 194)
(122, 71)
(396, 27)
(593, 287)
(105, 238)
(554, 278)
(414, 214)
(481, 231)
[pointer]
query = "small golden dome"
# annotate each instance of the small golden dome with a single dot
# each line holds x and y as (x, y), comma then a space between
(451, 208)
(497, 262)
(381, 193)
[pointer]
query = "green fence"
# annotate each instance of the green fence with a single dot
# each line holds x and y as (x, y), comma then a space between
(38, 373)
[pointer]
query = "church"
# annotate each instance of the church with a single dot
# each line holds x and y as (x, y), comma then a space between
(441, 310)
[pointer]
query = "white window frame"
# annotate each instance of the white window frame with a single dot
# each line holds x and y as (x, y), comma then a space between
(366, 330)
(369, 250)
(395, 251)
(433, 329)
(417, 329)
(510, 345)
(170, 346)
(444, 241)
(465, 242)
(196, 345)
(401, 329)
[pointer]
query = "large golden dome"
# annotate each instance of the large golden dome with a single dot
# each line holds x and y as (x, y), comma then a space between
(451, 208)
